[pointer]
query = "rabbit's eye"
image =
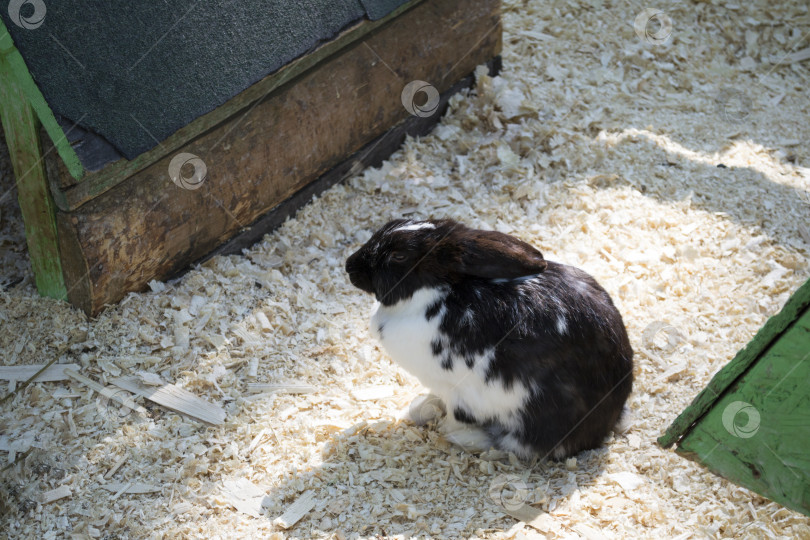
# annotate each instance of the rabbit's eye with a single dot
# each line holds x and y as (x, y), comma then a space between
(398, 257)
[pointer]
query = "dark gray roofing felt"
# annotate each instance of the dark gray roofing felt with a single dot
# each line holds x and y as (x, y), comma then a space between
(135, 71)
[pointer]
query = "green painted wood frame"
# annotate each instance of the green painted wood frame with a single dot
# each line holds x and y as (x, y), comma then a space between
(23, 111)
(751, 424)
(777, 324)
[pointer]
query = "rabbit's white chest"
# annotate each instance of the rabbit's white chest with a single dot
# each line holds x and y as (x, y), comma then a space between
(406, 334)
(409, 335)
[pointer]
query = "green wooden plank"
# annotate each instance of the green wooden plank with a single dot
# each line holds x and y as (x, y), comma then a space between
(758, 433)
(16, 69)
(731, 371)
(97, 183)
(21, 127)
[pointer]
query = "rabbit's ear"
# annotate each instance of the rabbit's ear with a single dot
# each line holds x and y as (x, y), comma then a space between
(491, 254)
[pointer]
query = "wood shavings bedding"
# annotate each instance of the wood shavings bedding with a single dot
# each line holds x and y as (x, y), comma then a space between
(670, 172)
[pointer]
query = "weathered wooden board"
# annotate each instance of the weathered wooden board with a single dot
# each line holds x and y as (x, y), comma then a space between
(757, 433)
(371, 155)
(148, 227)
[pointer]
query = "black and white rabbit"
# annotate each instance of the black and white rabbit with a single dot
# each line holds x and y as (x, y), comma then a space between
(529, 356)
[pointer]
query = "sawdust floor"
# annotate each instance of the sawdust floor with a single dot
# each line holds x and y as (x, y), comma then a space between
(676, 173)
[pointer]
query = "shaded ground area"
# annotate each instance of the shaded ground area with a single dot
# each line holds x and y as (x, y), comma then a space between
(14, 266)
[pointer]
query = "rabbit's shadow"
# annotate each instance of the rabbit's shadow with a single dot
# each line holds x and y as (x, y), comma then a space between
(394, 478)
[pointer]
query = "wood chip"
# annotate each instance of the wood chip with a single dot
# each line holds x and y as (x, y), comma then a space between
(371, 393)
(256, 440)
(131, 487)
(796, 56)
(245, 496)
(524, 513)
(121, 490)
(63, 393)
(589, 533)
(297, 510)
(627, 480)
(281, 388)
(56, 372)
(263, 321)
(117, 465)
(115, 395)
(672, 373)
(55, 494)
(149, 379)
(175, 398)
(531, 516)
(74, 432)
(182, 507)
